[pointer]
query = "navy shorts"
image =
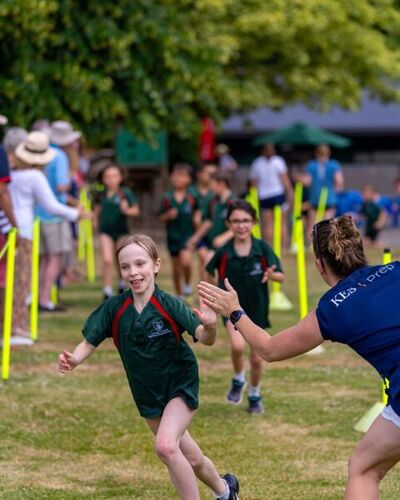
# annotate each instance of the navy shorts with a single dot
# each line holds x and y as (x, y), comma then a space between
(203, 243)
(270, 203)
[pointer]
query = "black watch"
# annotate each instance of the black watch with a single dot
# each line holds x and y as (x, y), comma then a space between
(236, 315)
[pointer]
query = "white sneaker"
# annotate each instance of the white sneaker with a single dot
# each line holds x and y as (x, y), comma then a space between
(17, 341)
(187, 290)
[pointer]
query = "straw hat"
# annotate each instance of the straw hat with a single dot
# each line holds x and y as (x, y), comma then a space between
(3, 120)
(62, 133)
(35, 149)
(222, 149)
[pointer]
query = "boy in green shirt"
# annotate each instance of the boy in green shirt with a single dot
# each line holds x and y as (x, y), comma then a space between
(179, 210)
(112, 208)
(203, 195)
(214, 226)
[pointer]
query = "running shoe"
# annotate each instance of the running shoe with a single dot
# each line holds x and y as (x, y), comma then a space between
(255, 405)
(233, 484)
(235, 394)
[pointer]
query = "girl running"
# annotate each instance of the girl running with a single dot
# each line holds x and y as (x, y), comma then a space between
(146, 325)
(248, 263)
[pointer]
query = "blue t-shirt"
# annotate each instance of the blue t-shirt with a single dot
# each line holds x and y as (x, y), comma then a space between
(57, 173)
(5, 224)
(363, 312)
(322, 175)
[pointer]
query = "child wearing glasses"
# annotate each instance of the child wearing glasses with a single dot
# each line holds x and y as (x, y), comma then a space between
(249, 264)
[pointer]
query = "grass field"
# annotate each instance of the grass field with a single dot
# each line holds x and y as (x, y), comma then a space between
(80, 437)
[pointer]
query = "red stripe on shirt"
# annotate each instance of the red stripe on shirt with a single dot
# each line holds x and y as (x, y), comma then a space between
(115, 322)
(5, 179)
(222, 266)
(264, 263)
(191, 200)
(163, 312)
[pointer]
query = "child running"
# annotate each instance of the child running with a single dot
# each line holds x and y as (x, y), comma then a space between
(146, 325)
(112, 208)
(203, 195)
(213, 227)
(179, 211)
(248, 263)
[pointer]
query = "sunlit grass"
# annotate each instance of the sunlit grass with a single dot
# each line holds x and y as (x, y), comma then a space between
(80, 436)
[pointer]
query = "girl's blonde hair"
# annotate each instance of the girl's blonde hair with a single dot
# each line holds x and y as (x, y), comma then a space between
(141, 240)
(338, 243)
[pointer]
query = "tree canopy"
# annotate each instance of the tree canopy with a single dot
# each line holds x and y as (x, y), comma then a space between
(153, 64)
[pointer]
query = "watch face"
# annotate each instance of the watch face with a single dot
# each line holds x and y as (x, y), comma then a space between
(235, 316)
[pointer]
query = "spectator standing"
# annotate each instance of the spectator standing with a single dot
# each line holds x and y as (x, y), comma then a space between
(226, 162)
(269, 174)
(322, 172)
(7, 219)
(55, 233)
(28, 154)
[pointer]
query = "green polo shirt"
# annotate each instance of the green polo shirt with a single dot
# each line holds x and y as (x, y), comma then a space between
(203, 200)
(245, 275)
(217, 213)
(112, 221)
(372, 211)
(180, 229)
(158, 362)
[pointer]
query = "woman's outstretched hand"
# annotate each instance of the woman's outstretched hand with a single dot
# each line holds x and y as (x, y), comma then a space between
(220, 301)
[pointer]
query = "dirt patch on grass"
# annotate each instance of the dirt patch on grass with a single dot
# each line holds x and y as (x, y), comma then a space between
(69, 471)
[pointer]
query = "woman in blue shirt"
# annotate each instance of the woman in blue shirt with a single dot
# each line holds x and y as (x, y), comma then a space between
(361, 309)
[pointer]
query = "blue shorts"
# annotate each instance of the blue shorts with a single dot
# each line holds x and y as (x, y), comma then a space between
(203, 243)
(270, 203)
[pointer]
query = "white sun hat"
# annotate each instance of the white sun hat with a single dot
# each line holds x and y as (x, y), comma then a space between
(35, 149)
(62, 133)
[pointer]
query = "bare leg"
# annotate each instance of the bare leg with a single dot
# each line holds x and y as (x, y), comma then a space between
(170, 431)
(203, 259)
(107, 254)
(176, 274)
(285, 226)
(185, 256)
(238, 346)
(376, 453)
(202, 466)
(49, 270)
(256, 367)
(267, 220)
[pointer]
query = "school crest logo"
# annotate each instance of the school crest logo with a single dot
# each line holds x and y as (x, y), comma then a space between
(158, 325)
(159, 329)
(257, 269)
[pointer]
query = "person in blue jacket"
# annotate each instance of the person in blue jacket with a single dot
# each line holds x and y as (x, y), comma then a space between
(362, 310)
